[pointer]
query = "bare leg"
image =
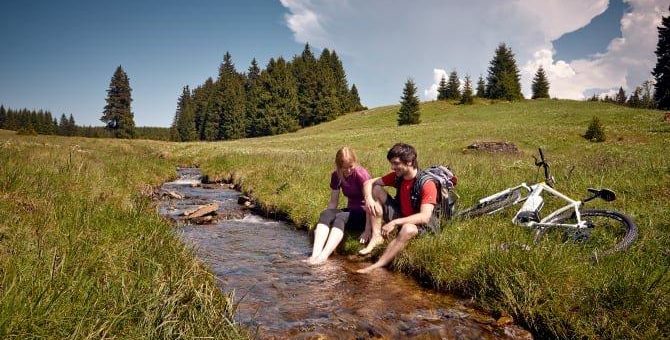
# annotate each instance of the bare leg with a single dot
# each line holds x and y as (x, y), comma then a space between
(407, 232)
(376, 239)
(336, 234)
(367, 233)
(320, 235)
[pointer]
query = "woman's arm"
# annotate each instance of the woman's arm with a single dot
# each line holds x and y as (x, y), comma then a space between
(334, 199)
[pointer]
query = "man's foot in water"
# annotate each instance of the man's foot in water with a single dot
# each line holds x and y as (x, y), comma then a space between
(367, 269)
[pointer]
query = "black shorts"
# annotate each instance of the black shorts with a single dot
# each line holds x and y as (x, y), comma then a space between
(355, 221)
(392, 211)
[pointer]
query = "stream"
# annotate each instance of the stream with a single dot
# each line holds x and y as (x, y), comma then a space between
(280, 297)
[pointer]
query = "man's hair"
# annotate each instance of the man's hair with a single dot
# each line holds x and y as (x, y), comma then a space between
(405, 152)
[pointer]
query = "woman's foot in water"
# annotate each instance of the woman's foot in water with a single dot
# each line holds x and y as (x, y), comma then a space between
(374, 242)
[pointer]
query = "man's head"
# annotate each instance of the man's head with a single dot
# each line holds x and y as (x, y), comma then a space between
(402, 158)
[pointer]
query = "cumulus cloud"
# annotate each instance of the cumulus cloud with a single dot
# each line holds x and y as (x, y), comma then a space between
(385, 42)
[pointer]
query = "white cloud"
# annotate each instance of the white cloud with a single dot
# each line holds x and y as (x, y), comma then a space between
(385, 42)
(431, 92)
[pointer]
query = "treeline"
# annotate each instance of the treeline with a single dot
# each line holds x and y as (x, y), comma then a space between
(282, 97)
(642, 97)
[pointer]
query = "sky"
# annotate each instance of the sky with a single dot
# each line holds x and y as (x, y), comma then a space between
(60, 55)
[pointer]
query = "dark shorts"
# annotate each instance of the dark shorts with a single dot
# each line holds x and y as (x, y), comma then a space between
(355, 221)
(392, 211)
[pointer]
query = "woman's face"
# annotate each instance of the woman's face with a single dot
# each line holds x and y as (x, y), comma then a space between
(347, 168)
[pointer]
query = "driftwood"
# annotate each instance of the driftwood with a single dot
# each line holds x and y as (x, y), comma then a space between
(201, 210)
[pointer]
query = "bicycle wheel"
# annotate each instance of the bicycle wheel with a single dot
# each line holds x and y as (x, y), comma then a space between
(489, 207)
(607, 231)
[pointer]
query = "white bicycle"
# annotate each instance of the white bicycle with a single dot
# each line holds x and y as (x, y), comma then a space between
(603, 231)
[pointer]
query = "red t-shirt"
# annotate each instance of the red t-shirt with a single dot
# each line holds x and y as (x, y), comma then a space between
(428, 193)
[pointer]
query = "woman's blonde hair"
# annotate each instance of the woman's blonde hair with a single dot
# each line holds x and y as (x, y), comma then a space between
(344, 155)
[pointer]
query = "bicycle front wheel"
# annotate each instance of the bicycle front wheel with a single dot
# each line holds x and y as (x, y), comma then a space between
(607, 231)
(489, 207)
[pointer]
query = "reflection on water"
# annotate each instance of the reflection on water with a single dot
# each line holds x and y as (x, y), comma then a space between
(282, 297)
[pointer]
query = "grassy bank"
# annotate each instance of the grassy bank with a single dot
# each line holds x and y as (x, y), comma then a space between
(553, 289)
(83, 253)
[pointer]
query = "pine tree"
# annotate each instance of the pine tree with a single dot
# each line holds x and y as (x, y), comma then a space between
(230, 101)
(481, 88)
(3, 116)
(466, 97)
(595, 132)
(453, 84)
(409, 105)
(634, 100)
(206, 122)
(621, 96)
(341, 84)
(253, 91)
(661, 71)
(72, 126)
(327, 105)
(503, 76)
(540, 84)
(305, 73)
(62, 126)
(184, 121)
(355, 99)
(117, 114)
(442, 89)
(647, 95)
(279, 99)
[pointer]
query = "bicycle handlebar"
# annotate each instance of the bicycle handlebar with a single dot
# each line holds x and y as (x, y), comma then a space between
(542, 163)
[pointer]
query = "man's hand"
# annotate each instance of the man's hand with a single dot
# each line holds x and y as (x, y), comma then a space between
(373, 207)
(388, 228)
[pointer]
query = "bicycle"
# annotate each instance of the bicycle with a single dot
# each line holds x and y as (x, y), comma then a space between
(606, 231)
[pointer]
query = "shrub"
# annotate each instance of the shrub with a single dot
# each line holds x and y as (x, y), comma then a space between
(595, 131)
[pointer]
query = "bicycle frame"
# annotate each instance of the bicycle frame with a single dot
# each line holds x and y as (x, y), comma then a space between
(536, 190)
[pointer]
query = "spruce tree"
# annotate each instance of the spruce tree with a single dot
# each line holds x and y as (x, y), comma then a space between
(3, 116)
(327, 105)
(661, 71)
(481, 88)
(184, 122)
(540, 84)
(409, 105)
(62, 126)
(305, 73)
(117, 114)
(341, 84)
(230, 101)
(466, 97)
(621, 96)
(634, 100)
(453, 84)
(647, 95)
(442, 89)
(503, 76)
(72, 126)
(279, 99)
(206, 122)
(355, 99)
(253, 91)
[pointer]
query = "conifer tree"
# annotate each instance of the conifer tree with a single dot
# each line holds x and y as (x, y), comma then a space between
(621, 96)
(253, 90)
(184, 121)
(341, 84)
(409, 105)
(503, 76)
(635, 99)
(453, 91)
(540, 84)
(72, 126)
(3, 116)
(442, 89)
(647, 95)
(230, 101)
(481, 88)
(62, 126)
(279, 99)
(327, 104)
(305, 73)
(466, 97)
(661, 71)
(206, 122)
(117, 114)
(355, 99)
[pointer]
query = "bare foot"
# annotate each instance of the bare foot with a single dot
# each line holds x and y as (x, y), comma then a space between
(317, 261)
(365, 237)
(367, 269)
(308, 260)
(373, 243)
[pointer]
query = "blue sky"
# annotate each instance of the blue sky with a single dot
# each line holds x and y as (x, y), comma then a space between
(60, 55)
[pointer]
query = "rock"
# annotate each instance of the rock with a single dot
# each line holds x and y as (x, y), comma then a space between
(504, 319)
(201, 210)
(244, 200)
(172, 194)
(667, 117)
(202, 219)
(493, 147)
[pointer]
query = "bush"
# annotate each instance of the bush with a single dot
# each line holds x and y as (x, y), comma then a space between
(595, 131)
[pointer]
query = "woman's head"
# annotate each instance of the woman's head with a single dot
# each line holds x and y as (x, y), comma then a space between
(345, 161)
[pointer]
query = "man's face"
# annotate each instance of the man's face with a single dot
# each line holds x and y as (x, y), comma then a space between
(399, 167)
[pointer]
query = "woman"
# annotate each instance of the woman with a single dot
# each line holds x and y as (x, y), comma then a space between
(348, 177)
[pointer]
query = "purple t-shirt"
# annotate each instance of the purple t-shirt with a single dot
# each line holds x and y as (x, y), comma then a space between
(352, 187)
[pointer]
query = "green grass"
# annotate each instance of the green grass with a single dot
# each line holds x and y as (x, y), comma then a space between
(554, 289)
(83, 253)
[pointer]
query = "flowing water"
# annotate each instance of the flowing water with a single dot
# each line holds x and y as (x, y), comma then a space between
(279, 296)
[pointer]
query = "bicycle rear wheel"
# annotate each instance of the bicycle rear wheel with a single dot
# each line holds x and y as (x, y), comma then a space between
(607, 231)
(490, 207)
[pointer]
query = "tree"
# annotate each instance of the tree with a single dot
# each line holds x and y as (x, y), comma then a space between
(252, 89)
(466, 97)
(184, 121)
(442, 89)
(355, 99)
(72, 126)
(453, 91)
(647, 94)
(503, 76)
(409, 105)
(3, 116)
(327, 105)
(661, 71)
(341, 84)
(634, 100)
(481, 88)
(540, 84)
(595, 132)
(621, 96)
(116, 114)
(230, 101)
(279, 99)
(305, 73)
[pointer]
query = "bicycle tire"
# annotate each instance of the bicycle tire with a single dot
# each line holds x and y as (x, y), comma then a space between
(489, 207)
(610, 231)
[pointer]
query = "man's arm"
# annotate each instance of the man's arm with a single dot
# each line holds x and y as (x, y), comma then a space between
(370, 203)
(422, 217)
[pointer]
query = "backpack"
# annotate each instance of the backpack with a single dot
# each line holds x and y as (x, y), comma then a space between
(445, 180)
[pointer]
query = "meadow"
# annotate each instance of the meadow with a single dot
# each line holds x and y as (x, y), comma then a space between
(84, 252)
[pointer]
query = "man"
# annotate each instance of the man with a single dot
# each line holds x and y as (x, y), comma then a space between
(398, 211)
